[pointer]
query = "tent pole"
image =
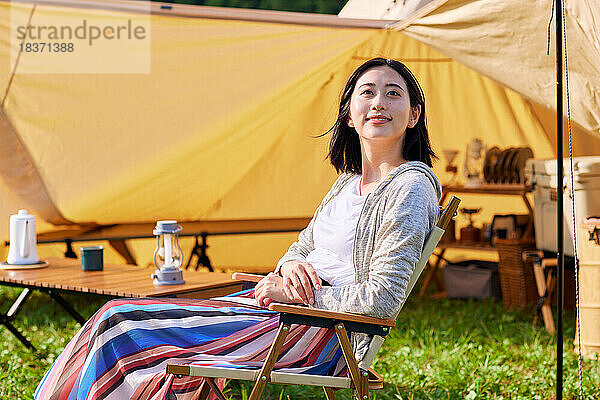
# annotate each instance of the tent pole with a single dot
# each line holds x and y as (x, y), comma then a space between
(559, 209)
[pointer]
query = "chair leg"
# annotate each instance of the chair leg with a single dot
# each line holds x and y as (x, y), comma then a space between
(329, 394)
(360, 379)
(540, 282)
(265, 372)
(215, 388)
(204, 391)
(547, 306)
(546, 283)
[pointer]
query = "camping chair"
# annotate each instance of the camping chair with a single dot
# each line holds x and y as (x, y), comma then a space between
(544, 272)
(362, 377)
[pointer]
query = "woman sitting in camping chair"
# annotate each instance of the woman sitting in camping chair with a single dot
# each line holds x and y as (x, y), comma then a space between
(356, 255)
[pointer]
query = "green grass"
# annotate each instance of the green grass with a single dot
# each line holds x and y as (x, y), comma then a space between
(440, 349)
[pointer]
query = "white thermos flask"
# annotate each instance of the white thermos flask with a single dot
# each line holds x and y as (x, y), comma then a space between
(23, 239)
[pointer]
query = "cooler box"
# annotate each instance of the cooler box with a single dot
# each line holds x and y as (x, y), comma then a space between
(586, 178)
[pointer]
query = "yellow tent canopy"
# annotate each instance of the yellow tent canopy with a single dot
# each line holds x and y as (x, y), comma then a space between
(221, 121)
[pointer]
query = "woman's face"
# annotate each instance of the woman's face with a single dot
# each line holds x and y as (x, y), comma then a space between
(380, 106)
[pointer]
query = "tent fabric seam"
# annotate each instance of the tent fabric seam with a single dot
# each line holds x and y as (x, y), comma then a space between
(225, 13)
(420, 13)
(14, 71)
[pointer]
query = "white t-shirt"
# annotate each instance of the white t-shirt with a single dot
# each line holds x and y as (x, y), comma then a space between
(333, 236)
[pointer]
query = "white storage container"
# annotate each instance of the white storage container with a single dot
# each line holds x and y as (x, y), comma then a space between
(586, 177)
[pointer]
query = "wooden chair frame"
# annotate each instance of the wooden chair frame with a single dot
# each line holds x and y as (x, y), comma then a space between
(544, 271)
(362, 377)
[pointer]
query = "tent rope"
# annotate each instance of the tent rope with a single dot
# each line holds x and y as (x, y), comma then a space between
(574, 214)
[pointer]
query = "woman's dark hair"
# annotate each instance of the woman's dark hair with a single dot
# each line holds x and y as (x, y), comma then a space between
(344, 147)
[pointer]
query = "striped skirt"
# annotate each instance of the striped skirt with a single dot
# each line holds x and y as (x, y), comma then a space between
(122, 350)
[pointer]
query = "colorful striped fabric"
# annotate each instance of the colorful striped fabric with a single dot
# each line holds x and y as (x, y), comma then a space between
(123, 350)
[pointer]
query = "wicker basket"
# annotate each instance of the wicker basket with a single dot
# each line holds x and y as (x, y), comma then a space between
(516, 276)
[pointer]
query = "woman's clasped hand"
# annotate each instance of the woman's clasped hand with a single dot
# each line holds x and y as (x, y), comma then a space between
(295, 285)
(299, 280)
(270, 289)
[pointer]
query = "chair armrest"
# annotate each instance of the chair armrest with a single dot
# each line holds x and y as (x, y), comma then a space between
(240, 276)
(330, 315)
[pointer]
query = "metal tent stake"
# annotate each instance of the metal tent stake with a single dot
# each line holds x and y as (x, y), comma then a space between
(559, 208)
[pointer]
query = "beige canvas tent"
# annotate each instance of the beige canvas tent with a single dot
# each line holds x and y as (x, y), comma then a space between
(220, 120)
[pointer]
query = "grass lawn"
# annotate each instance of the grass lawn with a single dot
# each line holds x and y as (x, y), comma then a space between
(440, 349)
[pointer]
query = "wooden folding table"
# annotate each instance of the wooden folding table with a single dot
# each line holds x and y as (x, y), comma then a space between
(66, 276)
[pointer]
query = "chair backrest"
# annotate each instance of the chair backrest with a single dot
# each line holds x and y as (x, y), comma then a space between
(430, 244)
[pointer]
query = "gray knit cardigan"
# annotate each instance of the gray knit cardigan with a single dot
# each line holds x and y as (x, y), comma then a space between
(392, 227)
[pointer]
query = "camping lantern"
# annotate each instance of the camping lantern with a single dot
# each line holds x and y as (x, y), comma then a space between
(167, 255)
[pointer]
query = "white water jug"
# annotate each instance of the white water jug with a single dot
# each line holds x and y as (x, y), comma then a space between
(23, 239)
